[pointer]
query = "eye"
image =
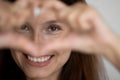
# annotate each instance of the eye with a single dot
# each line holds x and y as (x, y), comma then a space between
(25, 28)
(54, 28)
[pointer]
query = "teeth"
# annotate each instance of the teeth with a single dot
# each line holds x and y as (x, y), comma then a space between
(40, 59)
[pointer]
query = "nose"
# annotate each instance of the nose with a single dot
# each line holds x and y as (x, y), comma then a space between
(38, 39)
(39, 42)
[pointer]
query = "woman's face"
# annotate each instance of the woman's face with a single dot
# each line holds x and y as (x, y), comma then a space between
(42, 30)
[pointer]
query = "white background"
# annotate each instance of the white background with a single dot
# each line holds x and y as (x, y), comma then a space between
(110, 11)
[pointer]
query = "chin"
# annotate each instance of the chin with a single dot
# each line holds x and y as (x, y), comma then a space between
(41, 66)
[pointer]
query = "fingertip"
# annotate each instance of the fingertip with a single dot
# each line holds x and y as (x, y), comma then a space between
(55, 5)
(21, 3)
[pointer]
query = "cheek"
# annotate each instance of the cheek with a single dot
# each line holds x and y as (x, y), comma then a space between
(64, 56)
(15, 56)
(18, 57)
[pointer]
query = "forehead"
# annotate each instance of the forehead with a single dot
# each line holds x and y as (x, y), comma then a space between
(45, 16)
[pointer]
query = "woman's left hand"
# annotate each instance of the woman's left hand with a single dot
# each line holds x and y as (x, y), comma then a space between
(89, 33)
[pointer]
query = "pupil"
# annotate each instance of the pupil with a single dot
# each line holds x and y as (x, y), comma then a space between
(24, 27)
(54, 28)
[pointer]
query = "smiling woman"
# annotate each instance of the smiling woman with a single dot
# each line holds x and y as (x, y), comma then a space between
(64, 64)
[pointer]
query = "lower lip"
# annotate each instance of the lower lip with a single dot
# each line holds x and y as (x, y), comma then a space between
(37, 64)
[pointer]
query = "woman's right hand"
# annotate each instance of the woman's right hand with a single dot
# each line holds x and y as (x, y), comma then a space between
(15, 14)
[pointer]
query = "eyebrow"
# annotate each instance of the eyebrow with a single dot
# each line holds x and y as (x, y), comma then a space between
(52, 21)
(56, 21)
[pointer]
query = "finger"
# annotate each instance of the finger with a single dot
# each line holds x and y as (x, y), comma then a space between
(66, 43)
(74, 43)
(73, 18)
(83, 22)
(33, 5)
(26, 7)
(21, 3)
(56, 6)
(61, 11)
(12, 41)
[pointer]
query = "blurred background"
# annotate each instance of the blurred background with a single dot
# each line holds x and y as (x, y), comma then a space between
(110, 11)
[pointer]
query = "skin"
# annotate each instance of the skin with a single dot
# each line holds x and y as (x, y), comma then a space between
(9, 14)
(41, 33)
(85, 31)
(90, 34)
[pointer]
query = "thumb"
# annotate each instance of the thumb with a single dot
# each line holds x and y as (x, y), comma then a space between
(74, 43)
(70, 42)
(14, 41)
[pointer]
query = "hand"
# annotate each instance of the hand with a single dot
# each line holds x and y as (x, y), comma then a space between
(17, 42)
(16, 14)
(89, 32)
(11, 15)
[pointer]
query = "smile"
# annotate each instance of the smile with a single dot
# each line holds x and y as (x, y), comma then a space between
(40, 59)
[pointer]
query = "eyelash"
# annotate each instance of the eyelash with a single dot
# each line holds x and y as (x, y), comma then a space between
(50, 29)
(54, 28)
